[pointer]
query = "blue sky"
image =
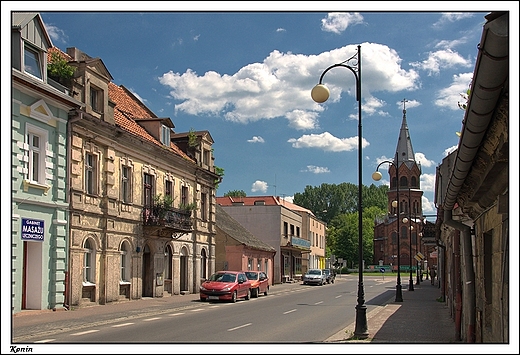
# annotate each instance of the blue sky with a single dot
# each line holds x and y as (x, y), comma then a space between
(246, 77)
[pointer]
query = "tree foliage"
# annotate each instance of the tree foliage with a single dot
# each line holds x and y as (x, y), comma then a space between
(235, 193)
(59, 69)
(337, 205)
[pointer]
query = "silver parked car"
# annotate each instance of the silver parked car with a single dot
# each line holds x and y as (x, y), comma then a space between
(314, 277)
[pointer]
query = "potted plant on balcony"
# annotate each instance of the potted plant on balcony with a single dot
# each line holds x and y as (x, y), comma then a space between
(188, 207)
(162, 204)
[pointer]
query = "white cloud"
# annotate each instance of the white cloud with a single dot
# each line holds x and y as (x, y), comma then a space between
(445, 58)
(409, 104)
(428, 182)
(449, 97)
(428, 206)
(316, 169)
(449, 150)
(259, 186)
(56, 34)
(301, 120)
(256, 139)
(327, 142)
(338, 22)
(280, 86)
(280, 30)
(452, 17)
(421, 158)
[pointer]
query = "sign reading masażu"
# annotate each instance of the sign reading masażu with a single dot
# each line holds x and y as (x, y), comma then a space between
(33, 229)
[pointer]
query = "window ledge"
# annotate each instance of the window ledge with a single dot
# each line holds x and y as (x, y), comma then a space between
(88, 284)
(36, 185)
(124, 282)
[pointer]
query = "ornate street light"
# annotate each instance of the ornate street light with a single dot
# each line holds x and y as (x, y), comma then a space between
(320, 93)
(405, 220)
(395, 204)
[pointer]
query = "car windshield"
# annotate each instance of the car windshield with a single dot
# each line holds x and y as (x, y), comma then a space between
(314, 272)
(221, 277)
(252, 275)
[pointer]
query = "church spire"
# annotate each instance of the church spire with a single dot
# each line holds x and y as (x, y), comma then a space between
(404, 152)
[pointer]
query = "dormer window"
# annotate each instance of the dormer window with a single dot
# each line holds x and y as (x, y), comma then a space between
(165, 135)
(96, 96)
(32, 62)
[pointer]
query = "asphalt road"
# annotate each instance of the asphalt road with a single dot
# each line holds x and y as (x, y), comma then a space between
(305, 314)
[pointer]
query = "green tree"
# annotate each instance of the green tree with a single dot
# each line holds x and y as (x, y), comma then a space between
(59, 69)
(235, 193)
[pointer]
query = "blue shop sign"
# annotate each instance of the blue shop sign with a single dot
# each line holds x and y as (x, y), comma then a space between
(301, 242)
(32, 229)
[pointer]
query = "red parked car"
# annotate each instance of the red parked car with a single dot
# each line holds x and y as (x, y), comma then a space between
(225, 286)
(259, 282)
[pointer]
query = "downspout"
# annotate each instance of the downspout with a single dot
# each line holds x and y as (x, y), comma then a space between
(468, 289)
(457, 281)
(68, 199)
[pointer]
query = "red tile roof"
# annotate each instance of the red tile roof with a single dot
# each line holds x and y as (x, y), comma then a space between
(268, 200)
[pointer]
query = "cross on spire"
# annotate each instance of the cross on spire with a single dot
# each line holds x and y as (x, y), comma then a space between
(404, 101)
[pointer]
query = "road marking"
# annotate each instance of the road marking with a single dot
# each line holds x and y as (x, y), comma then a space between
(150, 319)
(44, 341)
(319, 302)
(121, 325)
(338, 296)
(176, 314)
(197, 310)
(240, 326)
(86, 332)
(292, 310)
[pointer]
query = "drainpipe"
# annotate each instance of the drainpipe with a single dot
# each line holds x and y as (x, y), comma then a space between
(458, 288)
(78, 115)
(468, 272)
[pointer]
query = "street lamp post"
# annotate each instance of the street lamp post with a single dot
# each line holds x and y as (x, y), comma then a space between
(417, 245)
(320, 93)
(405, 220)
(395, 204)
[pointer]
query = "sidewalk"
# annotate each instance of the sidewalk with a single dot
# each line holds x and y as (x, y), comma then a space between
(420, 318)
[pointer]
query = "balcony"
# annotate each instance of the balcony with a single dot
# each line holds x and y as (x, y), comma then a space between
(167, 221)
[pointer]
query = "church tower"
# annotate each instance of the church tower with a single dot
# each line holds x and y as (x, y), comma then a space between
(405, 188)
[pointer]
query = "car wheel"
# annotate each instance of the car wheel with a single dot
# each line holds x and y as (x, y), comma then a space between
(248, 295)
(254, 292)
(234, 297)
(266, 291)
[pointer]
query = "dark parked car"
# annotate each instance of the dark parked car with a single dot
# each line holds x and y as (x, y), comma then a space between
(330, 275)
(259, 282)
(314, 277)
(226, 286)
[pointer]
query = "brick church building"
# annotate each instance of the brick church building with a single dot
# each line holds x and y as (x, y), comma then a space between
(398, 240)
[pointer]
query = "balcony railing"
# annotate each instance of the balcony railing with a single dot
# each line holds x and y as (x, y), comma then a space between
(174, 219)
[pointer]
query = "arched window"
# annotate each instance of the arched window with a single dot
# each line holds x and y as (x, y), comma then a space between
(88, 262)
(394, 238)
(203, 264)
(168, 262)
(414, 182)
(125, 262)
(404, 181)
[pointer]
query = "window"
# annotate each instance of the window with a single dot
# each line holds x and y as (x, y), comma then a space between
(394, 238)
(95, 99)
(90, 173)
(203, 207)
(404, 232)
(125, 263)
(165, 135)
(37, 140)
(259, 264)
(250, 264)
(148, 187)
(169, 263)
(88, 262)
(168, 188)
(285, 229)
(32, 62)
(206, 156)
(184, 195)
(126, 184)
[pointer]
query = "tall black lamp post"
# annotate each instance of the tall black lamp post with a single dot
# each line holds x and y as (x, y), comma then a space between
(395, 204)
(320, 93)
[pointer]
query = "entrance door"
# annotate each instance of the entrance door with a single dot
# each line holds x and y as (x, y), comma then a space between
(148, 279)
(32, 276)
(184, 270)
